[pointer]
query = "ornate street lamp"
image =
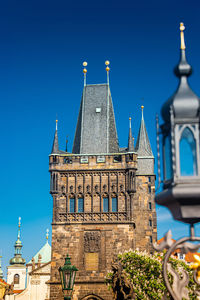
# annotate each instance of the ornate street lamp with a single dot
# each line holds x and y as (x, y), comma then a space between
(67, 276)
(181, 164)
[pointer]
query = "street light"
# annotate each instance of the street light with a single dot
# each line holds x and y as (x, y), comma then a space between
(181, 164)
(180, 142)
(67, 276)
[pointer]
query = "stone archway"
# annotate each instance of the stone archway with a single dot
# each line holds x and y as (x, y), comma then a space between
(91, 297)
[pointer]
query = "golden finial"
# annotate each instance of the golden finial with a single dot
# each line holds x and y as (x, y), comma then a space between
(56, 124)
(182, 28)
(19, 224)
(142, 107)
(85, 71)
(47, 234)
(129, 122)
(107, 69)
(107, 65)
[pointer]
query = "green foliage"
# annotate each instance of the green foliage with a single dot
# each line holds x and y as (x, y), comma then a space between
(137, 275)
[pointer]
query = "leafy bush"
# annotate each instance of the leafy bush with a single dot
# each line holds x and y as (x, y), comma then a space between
(138, 275)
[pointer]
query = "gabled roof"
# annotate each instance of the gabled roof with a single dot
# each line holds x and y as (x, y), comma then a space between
(96, 130)
(45, 253)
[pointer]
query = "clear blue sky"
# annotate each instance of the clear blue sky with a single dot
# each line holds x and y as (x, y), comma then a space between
(42, 47)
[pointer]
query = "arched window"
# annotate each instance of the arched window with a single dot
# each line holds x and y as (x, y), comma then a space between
(105, 204)
(16, 279)
(188, 159)
(114, 204)
(80, 205)
(72, 205)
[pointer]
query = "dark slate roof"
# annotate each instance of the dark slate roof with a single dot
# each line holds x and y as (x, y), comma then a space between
(96, 130)
(143, 146)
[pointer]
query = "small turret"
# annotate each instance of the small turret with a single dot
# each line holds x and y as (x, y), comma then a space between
(130, 138)
(143, 146)
(1, 271)
(55, 148)
(17, 259)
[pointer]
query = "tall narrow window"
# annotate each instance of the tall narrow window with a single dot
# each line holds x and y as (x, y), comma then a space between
(71, 205)
(150, 206)
(80, 205)
(188, 158)
(149, 189)
(114, 204)
(16, 279)
(151, 239)
(150, 223)
(105, 204)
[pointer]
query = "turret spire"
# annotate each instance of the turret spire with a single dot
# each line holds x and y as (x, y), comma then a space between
(130, 138)
(17, 259)
(55, 148)
(143, 146)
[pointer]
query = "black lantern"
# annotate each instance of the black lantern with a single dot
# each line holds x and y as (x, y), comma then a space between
(181, 153)
(67, 276)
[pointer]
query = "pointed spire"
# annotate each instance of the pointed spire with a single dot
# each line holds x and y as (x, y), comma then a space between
(67, 143)
(55, 148)
(143, 146)
(130, 138)
(184, 101)
(107, 70)
(85, 71)
(1, 271)
(17, 259)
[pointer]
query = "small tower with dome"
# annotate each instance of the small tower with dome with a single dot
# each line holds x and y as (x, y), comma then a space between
(16, 271)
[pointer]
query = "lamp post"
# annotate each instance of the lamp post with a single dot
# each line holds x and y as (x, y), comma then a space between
(181, 164)
(67, 276)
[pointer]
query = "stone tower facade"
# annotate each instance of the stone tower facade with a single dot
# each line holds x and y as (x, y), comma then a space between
(103, 197)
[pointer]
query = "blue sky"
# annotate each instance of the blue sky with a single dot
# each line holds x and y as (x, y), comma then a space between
(43, 45)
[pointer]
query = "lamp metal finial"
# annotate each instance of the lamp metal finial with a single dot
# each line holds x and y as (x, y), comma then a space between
(182, 28)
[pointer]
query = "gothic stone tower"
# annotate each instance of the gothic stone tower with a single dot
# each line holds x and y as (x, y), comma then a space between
(103, 196)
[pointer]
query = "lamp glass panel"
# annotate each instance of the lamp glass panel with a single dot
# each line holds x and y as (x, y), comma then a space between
(72, 279)
(188, 155)
(67, 279)
(167, 158)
